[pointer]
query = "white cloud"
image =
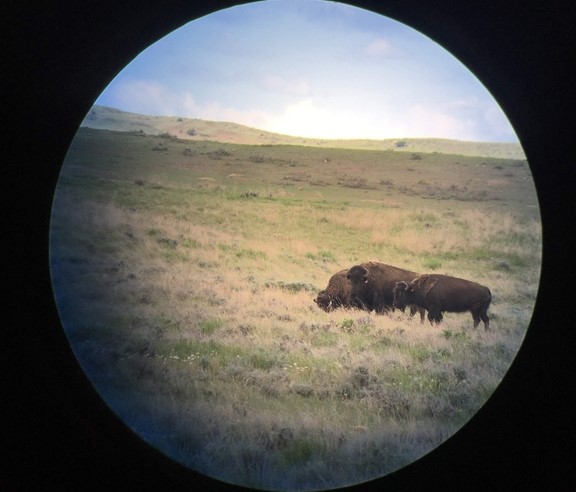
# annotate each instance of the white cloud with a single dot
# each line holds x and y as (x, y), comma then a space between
(214, 111)
(149, 97)
(485, 115)
(464, 103)
(144, 96)
(307, 119)
(379, 47)
(427, 121)
(464, 119)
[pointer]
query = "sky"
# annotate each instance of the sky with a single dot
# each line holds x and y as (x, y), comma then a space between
(310, 68)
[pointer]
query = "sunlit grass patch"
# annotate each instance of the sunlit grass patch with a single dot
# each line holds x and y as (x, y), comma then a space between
(431, 263)
(208, 327)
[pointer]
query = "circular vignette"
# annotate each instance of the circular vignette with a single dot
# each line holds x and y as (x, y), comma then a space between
(525, 129)
(126, 352)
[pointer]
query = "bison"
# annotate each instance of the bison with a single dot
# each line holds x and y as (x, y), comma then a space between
(373, 283)
(337, 294)
(439, 293)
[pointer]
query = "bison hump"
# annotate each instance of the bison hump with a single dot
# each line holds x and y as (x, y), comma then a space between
(426, 283)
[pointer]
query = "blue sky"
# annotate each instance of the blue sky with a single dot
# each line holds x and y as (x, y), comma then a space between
(310, 68)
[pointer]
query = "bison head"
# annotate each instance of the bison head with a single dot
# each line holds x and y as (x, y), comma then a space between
(403, 293)
(324, 301)
(358, 275)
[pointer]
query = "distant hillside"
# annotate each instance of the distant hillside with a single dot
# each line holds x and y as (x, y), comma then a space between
(105, 118)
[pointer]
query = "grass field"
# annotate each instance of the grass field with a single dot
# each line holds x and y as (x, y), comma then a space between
(185, 272)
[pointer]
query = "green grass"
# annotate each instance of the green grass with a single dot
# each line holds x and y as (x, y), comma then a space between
(185, 281)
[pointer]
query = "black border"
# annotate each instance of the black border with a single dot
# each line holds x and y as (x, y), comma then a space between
(57, 56)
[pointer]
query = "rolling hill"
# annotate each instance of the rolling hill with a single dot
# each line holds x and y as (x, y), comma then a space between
(106, 118)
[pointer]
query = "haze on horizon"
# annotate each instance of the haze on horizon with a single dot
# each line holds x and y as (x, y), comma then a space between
(310, 68)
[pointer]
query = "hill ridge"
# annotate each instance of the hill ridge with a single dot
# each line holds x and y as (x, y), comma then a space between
(108, 118)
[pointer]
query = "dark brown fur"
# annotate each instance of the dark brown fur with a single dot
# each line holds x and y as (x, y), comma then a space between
(373, 284)
(439, 293)
(337, 294)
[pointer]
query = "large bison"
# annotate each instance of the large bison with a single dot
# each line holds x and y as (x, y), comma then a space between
(337, 294)
(438, 293)
(373, 283)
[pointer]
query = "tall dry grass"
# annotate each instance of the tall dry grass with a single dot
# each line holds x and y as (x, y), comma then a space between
(192, 311)
(246, 380)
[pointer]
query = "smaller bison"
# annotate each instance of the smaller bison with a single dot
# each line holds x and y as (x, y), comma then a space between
(337, 294)
(438, 293)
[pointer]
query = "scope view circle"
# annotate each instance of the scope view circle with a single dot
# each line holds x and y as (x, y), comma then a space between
(295, 245)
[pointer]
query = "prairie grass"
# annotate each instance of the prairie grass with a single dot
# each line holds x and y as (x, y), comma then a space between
(190, 304)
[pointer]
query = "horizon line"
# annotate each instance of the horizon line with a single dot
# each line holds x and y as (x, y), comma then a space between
(516, 142)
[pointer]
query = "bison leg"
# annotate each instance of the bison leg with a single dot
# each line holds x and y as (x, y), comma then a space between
(434, 316)
(481, 315)
(386, 309)
(486, 321)
(414, 308)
